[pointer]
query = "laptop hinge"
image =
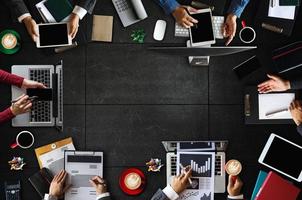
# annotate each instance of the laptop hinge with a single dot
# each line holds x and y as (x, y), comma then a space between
(55, 95)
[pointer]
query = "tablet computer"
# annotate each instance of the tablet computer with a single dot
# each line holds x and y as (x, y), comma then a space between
(247, 67)
(282, 156)
(53, 35)
(202, 33)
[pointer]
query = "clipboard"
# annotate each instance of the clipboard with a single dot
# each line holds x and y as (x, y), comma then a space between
(62, 145)
(251, 109)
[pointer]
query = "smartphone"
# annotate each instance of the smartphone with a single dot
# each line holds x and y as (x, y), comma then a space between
(247, 67)
(41, 94)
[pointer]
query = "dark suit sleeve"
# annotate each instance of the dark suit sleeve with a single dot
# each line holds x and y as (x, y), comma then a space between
(105, 198)
(17, 7)
(233, 199)
(159, 195)
(87, 5)
(296, 83)
(299, 129)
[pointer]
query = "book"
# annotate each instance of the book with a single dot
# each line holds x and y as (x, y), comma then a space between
(41, 181)
(102, 28)
(289, 2)
(59, 9)
(260, 179)
(277, 188)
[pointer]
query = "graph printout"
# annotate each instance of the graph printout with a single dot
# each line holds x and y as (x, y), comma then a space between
(203, 174)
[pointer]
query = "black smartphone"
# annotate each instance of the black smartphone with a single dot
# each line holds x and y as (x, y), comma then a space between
(247, 67)
(40, 94)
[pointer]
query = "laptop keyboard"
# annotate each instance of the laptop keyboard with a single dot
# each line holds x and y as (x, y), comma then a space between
(41, 110)
(60, 102)
(218, 163)
(218, 22)
(121, 5)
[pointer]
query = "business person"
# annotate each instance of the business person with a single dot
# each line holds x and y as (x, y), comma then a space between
(58, 187)
(21, 12)
(181, 15)
(277, 84)
(23, 104)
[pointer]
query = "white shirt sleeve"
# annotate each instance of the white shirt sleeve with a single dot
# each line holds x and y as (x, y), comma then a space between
(106, 194)
(170, 193)
(49, 197)
(236, 197)
(81, 12)
(20, 19)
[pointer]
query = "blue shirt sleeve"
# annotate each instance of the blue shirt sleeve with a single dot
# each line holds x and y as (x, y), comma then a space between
(168, 5)
(237, 7)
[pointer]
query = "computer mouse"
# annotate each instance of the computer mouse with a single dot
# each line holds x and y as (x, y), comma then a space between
(159, 30)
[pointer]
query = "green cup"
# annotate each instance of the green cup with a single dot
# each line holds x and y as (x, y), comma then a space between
(9, 42)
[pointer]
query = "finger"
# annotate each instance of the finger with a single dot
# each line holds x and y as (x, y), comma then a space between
(291, 107)
(264, 83)
(57, 175)
(231, 180)
(181, 175)
(188, 174)
(64, 177)
(66, 188)
(191, 9)
(74, 33)
(183, 24)
(92, 183)
(61, 176)
(41, 85)
(23, 99)
(188, 23)
(192, 20)
(28, 106)
(229, 40)
(272, 76)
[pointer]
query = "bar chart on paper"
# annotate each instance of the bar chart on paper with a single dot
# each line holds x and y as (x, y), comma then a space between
(201, 164)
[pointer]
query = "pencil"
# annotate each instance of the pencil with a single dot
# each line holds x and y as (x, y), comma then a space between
(182, 168)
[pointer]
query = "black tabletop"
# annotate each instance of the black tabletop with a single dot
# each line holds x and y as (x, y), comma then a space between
(124, 100)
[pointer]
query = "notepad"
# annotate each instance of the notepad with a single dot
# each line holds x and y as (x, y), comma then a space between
(260, 180)
(102, 28)
(269, 103)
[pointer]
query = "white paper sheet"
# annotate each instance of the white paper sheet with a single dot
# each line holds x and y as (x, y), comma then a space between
(269, 103)
(284, 12)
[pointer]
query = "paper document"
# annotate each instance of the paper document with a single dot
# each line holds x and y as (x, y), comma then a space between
(272, 103)
(81, 167)
(203, 174)
(284, 12)
(51, 156)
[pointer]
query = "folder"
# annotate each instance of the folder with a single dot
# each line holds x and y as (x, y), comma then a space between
(59, 9)
(277, 188)
(289, 2)
(41, 181)
(260, 180)
(51, 156)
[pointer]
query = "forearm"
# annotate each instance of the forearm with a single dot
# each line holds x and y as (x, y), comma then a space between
(18, 8)
(11, 79)
(83, 6)
(237, 7)
(6, 115)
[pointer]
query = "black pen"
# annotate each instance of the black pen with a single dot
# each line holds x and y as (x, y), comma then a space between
(30, 98)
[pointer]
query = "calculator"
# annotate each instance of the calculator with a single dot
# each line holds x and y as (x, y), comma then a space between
(12, 190)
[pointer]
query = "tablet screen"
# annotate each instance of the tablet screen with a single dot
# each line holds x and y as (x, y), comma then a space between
(284, 157)
(247, 67)
(53, 34)
(203, 30)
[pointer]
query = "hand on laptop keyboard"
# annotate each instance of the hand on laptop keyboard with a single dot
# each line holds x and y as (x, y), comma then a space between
(31, 84)
(230, 28)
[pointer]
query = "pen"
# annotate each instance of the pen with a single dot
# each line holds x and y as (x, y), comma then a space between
(271, 114)
(183, 169)
(30, 98)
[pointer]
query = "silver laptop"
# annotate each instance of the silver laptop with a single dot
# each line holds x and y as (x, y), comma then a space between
(43, 113)
(218, 146)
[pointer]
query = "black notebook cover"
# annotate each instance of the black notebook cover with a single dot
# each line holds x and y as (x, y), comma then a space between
(41, 181)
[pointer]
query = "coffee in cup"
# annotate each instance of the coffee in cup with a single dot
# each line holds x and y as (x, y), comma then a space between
(247, 34)
(233, 167)
(24, 139)
(133, 181)
(9, 41)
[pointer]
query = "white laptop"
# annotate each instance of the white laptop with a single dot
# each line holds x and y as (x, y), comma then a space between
(81, 167)
(219, 147)
(43, 113)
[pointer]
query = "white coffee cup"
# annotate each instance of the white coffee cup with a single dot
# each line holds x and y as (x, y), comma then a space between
(24, 140)
(247, 34)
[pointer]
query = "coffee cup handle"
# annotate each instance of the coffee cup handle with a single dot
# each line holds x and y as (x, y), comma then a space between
(14, 145)
(243, 24)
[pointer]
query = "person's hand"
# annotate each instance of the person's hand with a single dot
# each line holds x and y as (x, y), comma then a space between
(73, 25)
(99, 184)
(182, 16)
(31, 84)
(58, 185)
(229, 29)
(31, 27)
(23, 105)
(180, 182)
(296, 111)
(234, 186)
(274, 84)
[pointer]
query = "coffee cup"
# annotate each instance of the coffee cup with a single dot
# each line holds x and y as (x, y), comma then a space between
(247, 34)
(24, 140)
(133, 181)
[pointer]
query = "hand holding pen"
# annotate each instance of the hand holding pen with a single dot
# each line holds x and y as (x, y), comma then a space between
(180, 182)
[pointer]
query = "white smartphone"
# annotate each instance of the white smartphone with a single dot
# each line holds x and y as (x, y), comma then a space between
(282, 156)
(53, 35)
(202, 33)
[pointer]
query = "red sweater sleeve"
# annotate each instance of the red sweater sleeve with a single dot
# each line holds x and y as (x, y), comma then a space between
(9, 78)
(6, 115)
